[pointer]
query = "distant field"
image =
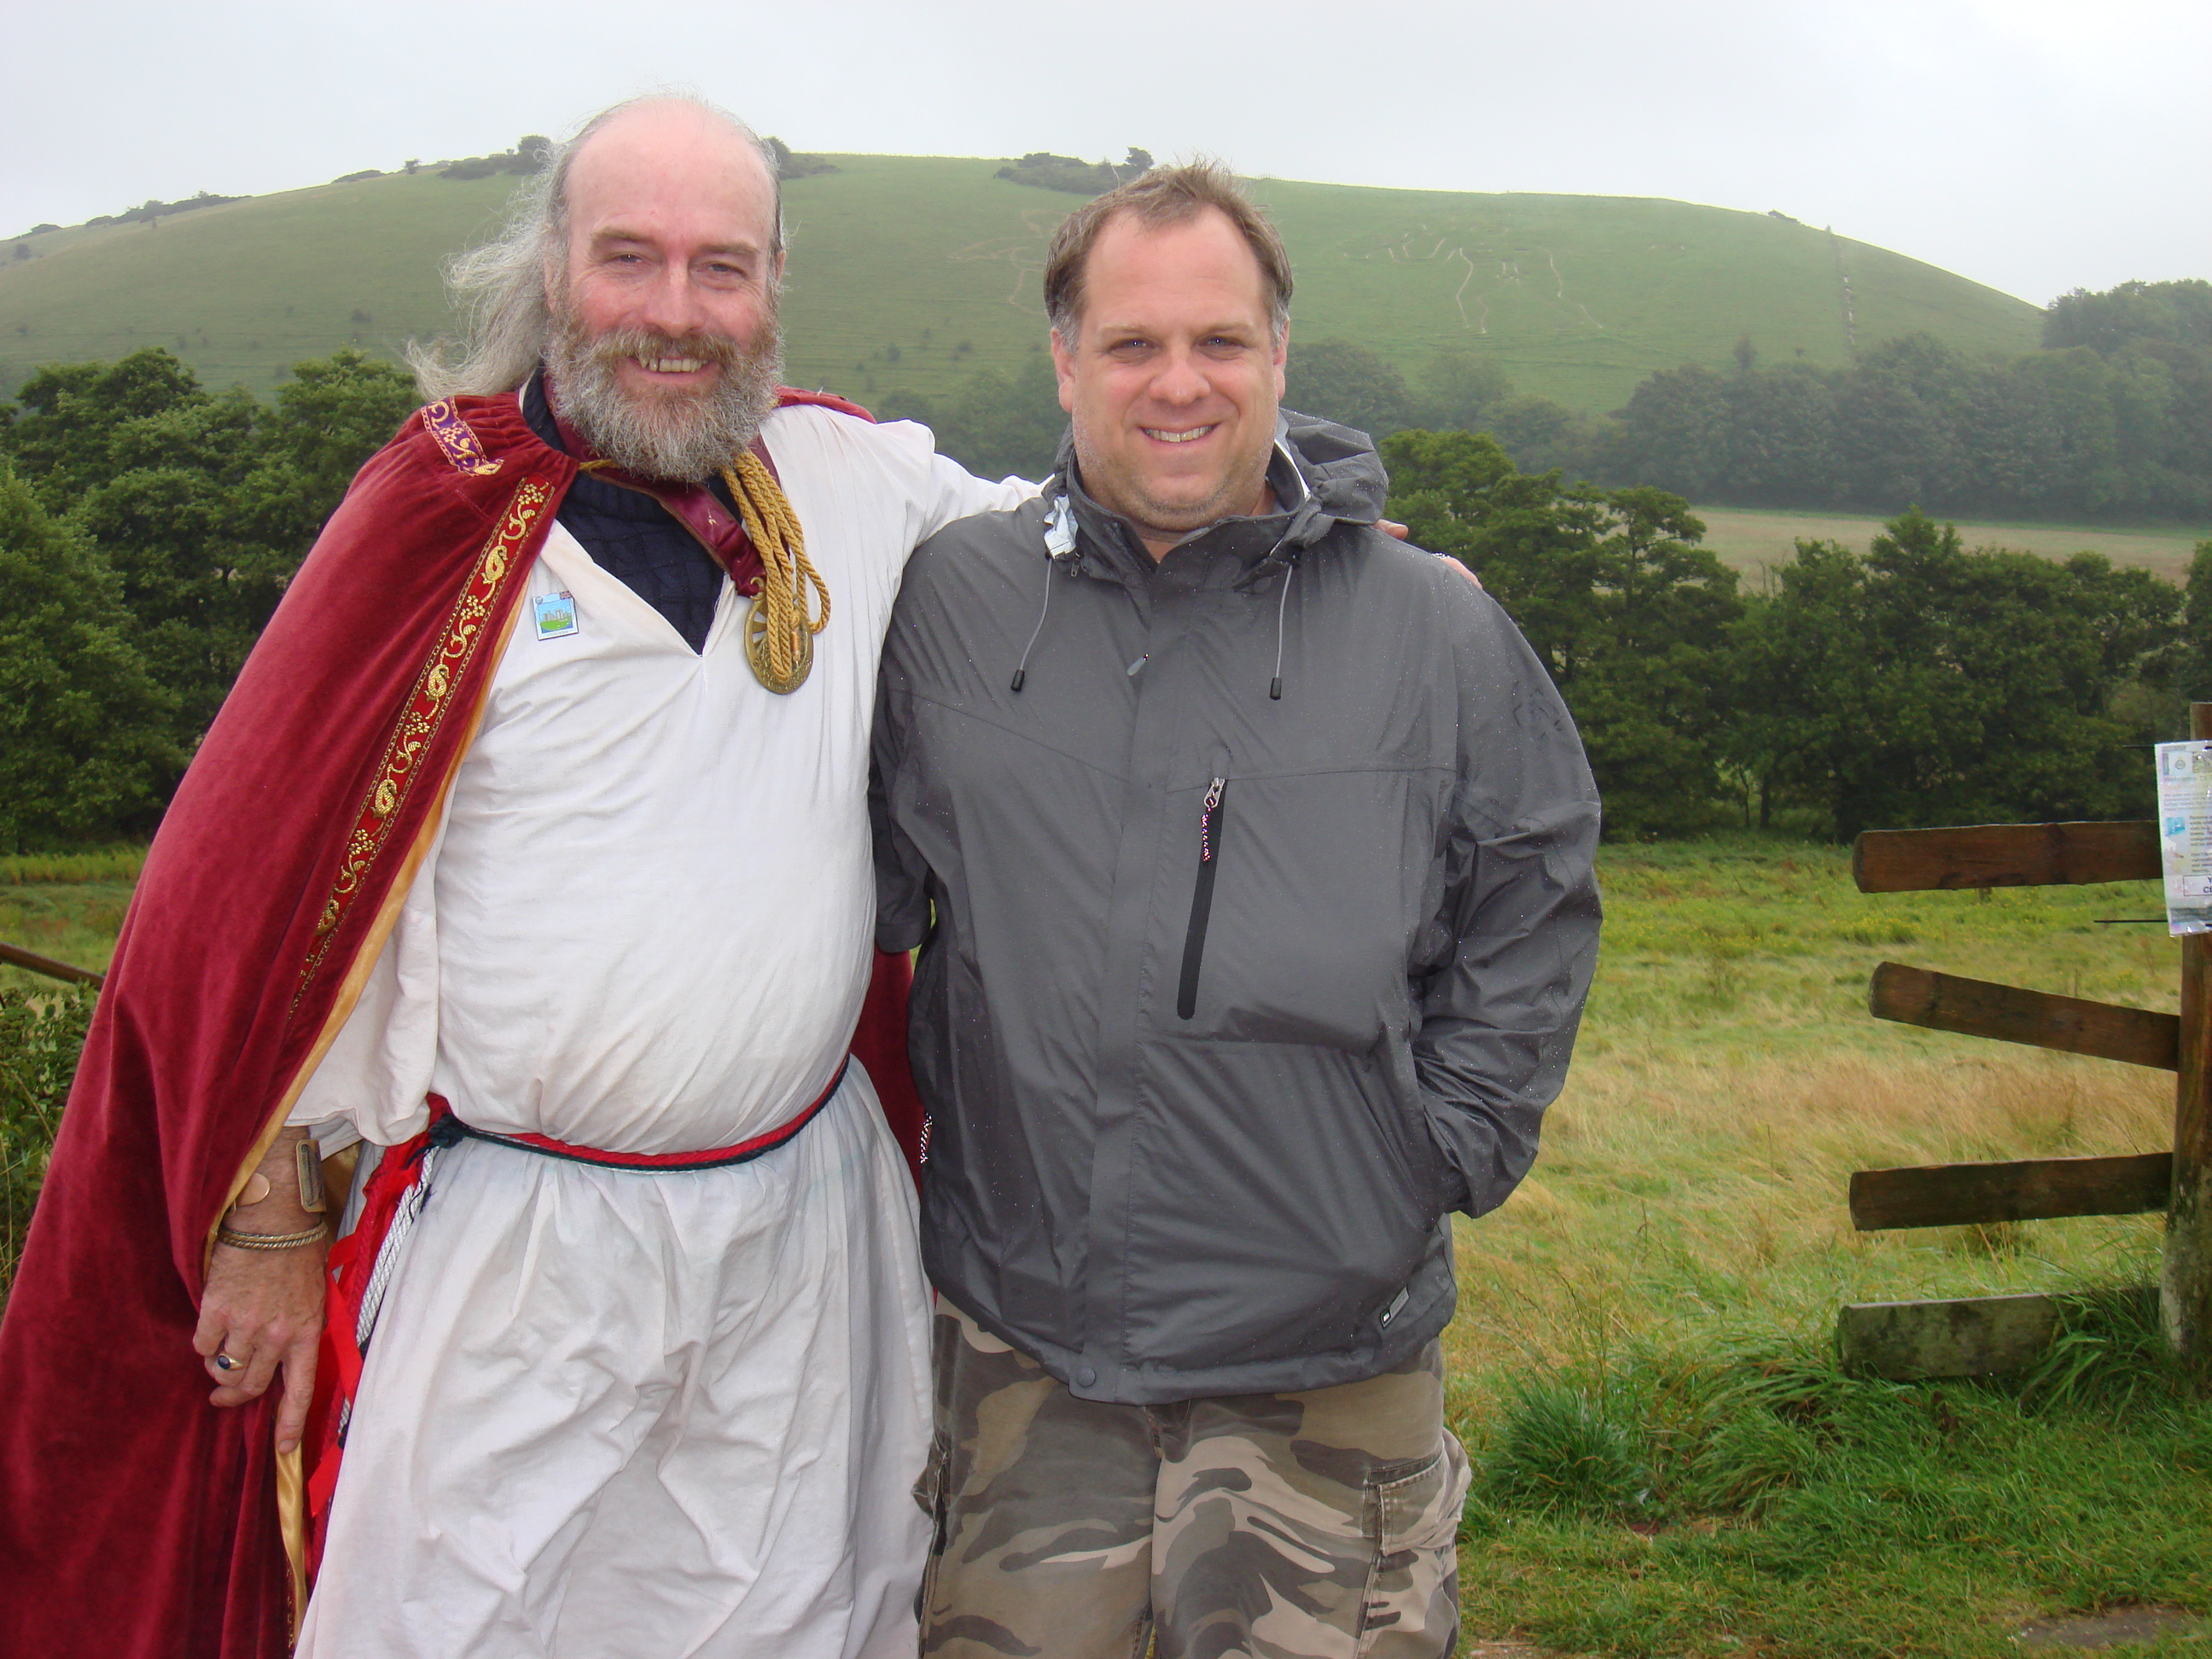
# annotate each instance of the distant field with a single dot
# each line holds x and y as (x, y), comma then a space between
(909, 272)
(67, 906)
(1748, 539)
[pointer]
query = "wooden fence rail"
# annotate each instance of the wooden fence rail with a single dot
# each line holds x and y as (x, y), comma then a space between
(17, 957)
(1975, 1007)
(2032, 1189)
(2005, 856)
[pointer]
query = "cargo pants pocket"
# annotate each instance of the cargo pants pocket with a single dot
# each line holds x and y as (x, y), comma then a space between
(1411, 1607)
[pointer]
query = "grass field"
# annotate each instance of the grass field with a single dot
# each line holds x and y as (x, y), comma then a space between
(1750, 539)
(1668, 1462)
(1728, 1079)
(909, 272)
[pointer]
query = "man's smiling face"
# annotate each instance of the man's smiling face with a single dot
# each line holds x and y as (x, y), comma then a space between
(664, 351)
(1174, 375)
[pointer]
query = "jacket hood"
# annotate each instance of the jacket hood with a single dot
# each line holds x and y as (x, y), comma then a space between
(1322, 474)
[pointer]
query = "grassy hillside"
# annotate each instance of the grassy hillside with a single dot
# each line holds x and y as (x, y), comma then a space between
(908, 273)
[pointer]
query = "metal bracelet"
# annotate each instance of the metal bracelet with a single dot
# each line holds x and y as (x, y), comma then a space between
(313, 1234)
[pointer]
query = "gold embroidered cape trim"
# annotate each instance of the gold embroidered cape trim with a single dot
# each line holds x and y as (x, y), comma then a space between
(425, 711)
(462, 449)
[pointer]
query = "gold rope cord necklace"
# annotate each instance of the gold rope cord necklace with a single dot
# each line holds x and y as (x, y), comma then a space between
(779, 628)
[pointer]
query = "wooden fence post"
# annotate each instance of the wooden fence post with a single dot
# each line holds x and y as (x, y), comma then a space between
(2185, 1279)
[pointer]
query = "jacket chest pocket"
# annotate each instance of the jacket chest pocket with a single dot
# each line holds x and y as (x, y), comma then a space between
(1298, 916)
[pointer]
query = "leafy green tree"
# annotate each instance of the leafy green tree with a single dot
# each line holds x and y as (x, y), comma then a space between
(1925, 684)
(1652, 705)
(86, 731)
(1630, 614)
(1781, 445)
(2081, 455)
(2133, 615)
(1532, 541)
(1675, 432)
(2130, 314)
(1465, 392)
(175, 518)
(61, 441)
(202, 504)
(2184, 667)
(1892, 417)
(1541, 436)
(332, 415)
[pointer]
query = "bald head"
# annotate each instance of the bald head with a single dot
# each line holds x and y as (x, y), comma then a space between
(664, 146)
(666, 187)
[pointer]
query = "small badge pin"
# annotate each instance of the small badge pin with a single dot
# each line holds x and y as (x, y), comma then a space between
(556, 616)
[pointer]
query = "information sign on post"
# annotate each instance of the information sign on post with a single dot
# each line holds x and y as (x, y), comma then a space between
(2184, 834)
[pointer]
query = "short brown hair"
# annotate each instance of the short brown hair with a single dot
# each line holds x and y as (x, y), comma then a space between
(1165, 196)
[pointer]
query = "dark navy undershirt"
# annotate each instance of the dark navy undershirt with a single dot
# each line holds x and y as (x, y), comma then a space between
(635, 539)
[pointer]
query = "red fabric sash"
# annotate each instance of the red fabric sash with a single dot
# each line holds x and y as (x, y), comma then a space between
(443, 1122)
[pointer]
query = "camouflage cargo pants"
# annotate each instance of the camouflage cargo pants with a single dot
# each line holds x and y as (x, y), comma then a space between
(1281, 1526)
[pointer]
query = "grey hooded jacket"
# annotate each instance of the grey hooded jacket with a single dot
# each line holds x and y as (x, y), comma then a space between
(1225, 998)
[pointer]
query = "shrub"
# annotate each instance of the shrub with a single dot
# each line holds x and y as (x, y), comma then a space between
(41, 1034)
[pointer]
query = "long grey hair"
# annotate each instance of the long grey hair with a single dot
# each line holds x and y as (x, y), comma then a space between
(499, 289)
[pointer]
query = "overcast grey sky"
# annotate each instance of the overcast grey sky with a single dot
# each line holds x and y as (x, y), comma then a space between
(2035, 145)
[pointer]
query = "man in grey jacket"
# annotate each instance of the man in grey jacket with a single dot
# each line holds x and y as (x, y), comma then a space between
(1250, 854)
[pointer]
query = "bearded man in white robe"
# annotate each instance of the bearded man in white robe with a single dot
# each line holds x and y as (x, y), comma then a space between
(647, 1374)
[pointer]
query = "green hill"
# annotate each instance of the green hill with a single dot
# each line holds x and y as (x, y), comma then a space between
(909, 272)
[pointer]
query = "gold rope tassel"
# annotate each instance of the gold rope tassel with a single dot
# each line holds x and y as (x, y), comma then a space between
(780, 630)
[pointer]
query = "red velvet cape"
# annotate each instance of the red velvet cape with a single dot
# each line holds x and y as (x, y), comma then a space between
(136, 1520)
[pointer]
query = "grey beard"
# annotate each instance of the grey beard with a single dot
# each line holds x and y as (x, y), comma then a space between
(680, 436)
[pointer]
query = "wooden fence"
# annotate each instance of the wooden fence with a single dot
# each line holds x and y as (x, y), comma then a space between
(1967, 1335)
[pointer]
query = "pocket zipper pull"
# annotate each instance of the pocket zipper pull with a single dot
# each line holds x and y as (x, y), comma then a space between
(1205, 819)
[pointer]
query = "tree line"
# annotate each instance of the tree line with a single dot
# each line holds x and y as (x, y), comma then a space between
(2103, 422)
(2112, 419)
(1920, 681)
(147, 527)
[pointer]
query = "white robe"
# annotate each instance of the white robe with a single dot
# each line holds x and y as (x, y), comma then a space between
(606, 1412)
